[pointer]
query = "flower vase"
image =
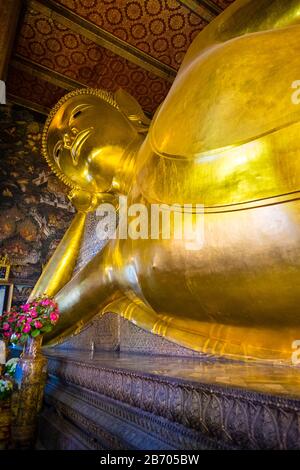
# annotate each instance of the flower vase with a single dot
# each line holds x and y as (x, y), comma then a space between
(30, 378)
(4, 354)
(33, 347)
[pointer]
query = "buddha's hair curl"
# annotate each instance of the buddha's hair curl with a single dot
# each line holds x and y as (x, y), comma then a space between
(103, 94)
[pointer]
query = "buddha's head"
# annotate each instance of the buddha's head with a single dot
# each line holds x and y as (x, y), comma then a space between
(88, 136)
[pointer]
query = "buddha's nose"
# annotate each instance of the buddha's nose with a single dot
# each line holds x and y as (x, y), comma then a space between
(69, 139)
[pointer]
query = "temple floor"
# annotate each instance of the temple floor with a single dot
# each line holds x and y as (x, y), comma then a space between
(112, 400)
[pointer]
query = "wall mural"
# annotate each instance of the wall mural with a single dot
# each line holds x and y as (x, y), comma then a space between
(34, 209)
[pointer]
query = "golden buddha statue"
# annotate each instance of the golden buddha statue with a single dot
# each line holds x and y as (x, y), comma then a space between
(225, 139)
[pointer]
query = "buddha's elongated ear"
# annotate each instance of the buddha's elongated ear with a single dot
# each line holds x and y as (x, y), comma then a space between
(132, 110)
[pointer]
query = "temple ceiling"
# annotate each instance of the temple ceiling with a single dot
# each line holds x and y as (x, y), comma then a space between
(136, 45)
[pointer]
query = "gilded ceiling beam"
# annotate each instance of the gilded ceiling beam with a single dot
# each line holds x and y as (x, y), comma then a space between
(42, 72)
(211, 6)
(200, 9)
(27, 104)
(103, 38)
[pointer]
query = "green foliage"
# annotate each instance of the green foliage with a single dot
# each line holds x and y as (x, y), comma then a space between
(10, 366)
(6, 388)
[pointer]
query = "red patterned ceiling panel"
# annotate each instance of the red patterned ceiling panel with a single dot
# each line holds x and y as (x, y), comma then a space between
(163, 29)
(24, 85)
(56, 47)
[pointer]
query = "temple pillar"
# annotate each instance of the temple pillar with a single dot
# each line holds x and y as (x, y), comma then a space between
(9, 15)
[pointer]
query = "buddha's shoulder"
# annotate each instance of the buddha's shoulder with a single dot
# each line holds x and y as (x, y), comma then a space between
(232, 93)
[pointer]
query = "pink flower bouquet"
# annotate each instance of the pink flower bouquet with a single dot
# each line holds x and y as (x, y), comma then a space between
(33, 319)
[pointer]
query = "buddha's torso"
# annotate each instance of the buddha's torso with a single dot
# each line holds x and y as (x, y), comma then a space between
(226, 139)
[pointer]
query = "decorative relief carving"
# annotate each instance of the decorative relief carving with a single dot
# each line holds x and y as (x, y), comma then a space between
(101, 334)
(91, 244)
(111, 333)
(237, 417)
(134, 339)
(116, 425)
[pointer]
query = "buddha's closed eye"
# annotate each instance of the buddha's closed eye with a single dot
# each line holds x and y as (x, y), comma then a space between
(77, 112)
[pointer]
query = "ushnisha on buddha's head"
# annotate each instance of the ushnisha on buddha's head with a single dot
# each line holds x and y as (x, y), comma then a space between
(89, 136)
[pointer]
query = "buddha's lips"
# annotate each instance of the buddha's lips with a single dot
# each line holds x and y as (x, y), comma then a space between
(78, 142)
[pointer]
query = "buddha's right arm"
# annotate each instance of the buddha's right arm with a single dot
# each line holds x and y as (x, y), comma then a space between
(60, 267)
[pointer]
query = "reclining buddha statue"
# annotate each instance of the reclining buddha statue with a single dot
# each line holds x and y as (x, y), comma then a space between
(226, 141)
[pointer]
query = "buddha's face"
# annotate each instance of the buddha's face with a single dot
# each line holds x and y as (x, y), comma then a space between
(86, 140)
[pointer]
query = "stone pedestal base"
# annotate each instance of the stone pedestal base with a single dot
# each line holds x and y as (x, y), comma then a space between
(116, 401)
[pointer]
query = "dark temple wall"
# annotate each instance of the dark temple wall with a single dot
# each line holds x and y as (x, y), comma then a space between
(34, 209)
